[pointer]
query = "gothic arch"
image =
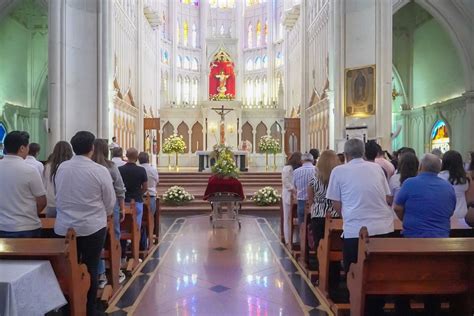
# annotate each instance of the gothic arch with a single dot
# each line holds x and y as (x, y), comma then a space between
(275, 132)
(247, 133)
(197, 137)
(183, 130)
(261, 130)
(168, 130)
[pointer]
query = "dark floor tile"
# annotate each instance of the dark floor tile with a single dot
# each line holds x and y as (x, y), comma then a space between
(133, 291)
(304, 291)
(279, 249)
(219, 288)
(118, 313)
(288, 265)
(150, 266)
(158, 253)
(317, 312)
(220, 249)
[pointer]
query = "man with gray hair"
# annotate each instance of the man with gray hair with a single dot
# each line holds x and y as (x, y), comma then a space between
(425, 204)
(360, 193)
(301, 178)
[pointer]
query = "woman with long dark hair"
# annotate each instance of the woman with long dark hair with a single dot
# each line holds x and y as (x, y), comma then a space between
(407, 168)
(288, 189)
(101, 151)
(453, 171)
(62, 151)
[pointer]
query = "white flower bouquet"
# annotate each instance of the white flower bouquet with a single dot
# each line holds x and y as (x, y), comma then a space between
(269, 145)
(266, 196)
(176, 195)
(174, 144)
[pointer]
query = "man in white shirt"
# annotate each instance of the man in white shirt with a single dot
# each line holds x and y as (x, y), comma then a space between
(153, 178)
(117, 156)
(360, 193)
(33, 152)
(85, 197)
(114, 143)
(23, 194)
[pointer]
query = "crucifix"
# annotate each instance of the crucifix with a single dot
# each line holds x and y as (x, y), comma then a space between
(222, 112)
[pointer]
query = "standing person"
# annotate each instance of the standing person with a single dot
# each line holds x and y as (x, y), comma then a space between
(62, 152)
(287, 191)
(153, 178)
(85, 197)
(135, 180)
(386, 165)
(114, 144)
(117, 156)
(100, 156)
(317, 189)
(315, 153)
(360, 193)
(452, 170)
(407, 168)
(301, 178)
(23, 194)
(32, 160)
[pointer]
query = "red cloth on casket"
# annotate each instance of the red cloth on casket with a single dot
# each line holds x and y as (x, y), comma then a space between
(217, 184)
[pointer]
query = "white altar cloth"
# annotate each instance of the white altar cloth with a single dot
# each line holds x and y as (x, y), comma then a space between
(28, 287)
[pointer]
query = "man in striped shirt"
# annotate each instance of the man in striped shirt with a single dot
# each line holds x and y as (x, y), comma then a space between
(301, 178)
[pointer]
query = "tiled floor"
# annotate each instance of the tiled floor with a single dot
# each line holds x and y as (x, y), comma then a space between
(197, 270)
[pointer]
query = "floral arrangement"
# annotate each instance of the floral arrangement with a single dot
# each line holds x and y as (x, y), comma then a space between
(225, 165)
(266, 196)
(269, 145)
(177, 195)
(174, 144)
(218, 97)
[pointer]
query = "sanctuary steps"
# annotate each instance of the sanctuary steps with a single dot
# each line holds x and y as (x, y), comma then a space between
(196, 182)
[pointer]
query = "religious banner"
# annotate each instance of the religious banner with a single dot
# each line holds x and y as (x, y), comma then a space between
(359, 98)
(221, 77)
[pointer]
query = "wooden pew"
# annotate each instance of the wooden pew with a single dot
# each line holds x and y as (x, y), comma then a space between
(282, 221)
(294, 246)
(129, 231)
(157, 221)
(413, 266)
(73, 277)
(148, 222)
(111, 255)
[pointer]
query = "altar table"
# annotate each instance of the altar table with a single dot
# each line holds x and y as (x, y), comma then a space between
(205, 162)
(28, 287)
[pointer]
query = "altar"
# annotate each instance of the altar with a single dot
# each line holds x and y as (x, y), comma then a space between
(206, 162)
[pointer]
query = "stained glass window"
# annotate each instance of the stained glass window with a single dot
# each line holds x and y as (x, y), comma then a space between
(3, 133)
(250, 36)
(265, 61)
(185, 33)
(265, 32)
(440, 136)
(259, 33)
(258, 63)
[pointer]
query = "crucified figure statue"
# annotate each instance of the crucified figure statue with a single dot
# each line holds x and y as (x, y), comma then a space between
(222, 112)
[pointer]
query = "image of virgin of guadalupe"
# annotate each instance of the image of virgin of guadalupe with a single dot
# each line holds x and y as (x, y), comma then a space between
(359, 90)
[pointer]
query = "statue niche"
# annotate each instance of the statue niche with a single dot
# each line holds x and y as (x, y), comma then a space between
(221, 77)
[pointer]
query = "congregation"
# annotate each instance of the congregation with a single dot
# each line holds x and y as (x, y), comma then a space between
(79, 187)
(371, 188)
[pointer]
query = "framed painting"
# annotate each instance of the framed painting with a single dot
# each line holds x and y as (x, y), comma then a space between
(359, 98)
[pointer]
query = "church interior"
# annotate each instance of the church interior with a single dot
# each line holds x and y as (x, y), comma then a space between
(221, 122)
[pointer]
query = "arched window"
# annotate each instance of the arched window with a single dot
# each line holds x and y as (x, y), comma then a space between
(185, 33)
(265, 61)
(222, 30)
(258, 91)
(259, 33)
(265, 32)
(249, 91)
(186, 90)
(249, 65)
(179, 89)
(194, 65)
(278, 60)
(194, 91)
(187, 63)
(179, 62)
(250, 36)
(194, 36)
(265, 90)
(258, 63)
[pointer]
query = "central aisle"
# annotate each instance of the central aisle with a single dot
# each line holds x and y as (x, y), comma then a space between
(200, 271)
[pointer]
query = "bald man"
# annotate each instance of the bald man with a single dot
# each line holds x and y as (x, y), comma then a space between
(135, 180)
(424, 203)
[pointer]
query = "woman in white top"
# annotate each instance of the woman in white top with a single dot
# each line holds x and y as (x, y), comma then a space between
(62, 151)
(288, 190)
(407, 168)
(453, 171)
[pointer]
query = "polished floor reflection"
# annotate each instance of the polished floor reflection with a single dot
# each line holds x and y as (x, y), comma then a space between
(198, 270)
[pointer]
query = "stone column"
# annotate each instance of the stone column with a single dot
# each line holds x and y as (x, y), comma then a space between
(361, 35)
(79, 80)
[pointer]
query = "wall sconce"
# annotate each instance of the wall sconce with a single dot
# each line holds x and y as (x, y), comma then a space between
(395, 94)
(212, 128)
(230, 129)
